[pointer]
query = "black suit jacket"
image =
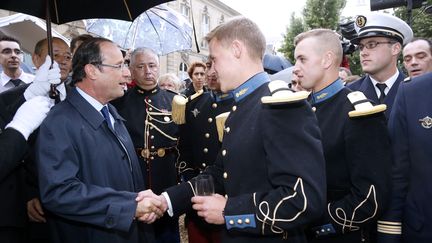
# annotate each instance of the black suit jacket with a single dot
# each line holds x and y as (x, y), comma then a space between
(13, 147)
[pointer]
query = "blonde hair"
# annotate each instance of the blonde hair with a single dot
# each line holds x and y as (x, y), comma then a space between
(170, 77)
(244, 30)
(328, 39)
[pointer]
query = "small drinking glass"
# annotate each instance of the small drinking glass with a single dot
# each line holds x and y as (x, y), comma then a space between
(204, 185)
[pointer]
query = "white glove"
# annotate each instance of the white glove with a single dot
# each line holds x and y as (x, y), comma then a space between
(30, 115)
(43, 79)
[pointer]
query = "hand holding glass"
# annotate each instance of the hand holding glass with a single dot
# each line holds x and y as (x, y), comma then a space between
(204, 185)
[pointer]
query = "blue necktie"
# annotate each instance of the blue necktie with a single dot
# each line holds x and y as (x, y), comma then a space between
(106, 115)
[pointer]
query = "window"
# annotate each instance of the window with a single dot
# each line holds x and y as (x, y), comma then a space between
(185, 9)
(205, 26)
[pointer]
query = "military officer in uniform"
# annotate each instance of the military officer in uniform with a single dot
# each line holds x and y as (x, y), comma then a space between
(271, 172)
(199, 145)
(356, 148)
(380, 39)
(147, 110)
(409, 217)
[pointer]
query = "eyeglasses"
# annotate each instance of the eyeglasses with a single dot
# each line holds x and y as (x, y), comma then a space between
(373, 44)
(116, 66)
(8, 51)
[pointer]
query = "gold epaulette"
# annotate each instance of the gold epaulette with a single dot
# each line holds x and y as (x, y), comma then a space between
(179, 107)
(220, 124)
(281, 93)
(363, 106)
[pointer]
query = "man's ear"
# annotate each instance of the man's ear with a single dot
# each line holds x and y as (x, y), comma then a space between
(237, 48)
(91, 71)
(36, 59)
(396, 49)
(327, 59)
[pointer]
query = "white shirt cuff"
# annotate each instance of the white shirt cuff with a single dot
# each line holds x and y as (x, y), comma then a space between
(167, 198)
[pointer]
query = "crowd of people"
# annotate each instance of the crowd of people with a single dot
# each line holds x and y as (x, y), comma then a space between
(316, 158)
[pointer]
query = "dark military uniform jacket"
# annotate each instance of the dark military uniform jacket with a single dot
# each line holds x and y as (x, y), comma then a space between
(271, 171)
(410, 127)
(199, 143)
(366, 86)
(358, 165)
(148, 120)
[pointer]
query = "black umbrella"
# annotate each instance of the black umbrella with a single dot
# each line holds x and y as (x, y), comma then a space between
(63, 11)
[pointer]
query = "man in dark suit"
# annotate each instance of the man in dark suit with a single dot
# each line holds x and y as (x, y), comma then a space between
(147, 110)
(13, 146)
(409, 217)
(380, 39)
(358, 180)
(89, 174)
(271, 172)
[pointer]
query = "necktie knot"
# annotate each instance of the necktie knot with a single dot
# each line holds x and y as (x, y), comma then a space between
(381, 88)
(105, 113)
(16, 82)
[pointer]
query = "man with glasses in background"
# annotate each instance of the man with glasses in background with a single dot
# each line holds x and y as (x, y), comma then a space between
(380, 39)
(10, 59)
(147, 110)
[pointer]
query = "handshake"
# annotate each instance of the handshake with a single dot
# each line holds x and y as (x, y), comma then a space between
(150, 206)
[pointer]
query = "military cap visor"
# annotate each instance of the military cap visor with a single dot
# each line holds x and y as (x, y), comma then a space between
(382, 25)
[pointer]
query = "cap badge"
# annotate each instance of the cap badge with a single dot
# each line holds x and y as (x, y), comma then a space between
(426, 122)
(361, 21)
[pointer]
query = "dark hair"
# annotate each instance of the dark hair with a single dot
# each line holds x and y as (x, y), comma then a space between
(87, 53)
(80, 38)
(425, 39)
(41, 44)
(9, 38)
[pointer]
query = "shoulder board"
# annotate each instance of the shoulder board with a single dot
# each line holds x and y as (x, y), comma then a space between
(281, 94)
(407, 79)
(197, 94)
(178, 109)
(363, 106)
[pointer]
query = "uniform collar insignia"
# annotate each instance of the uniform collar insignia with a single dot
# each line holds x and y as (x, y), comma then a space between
(426, 122)
(219, 96)
(327, 92)
(195, 112)
(146, 92)
(250, 85)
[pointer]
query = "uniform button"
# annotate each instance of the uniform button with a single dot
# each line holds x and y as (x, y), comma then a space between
(205, 150)
(210, 120)
(207, 135)
(227, 129)
(314, 109)
(234, 108)
(151, 128)
(150, 119)
(225, 175)
(149, 101)
(203, 164)
(322, 230)
(226, 195)
(167, 119)
(231, 222)
(152, 137)
(239, 221)
(247, 221)
(224, 152)
(152, 158)
(214, 105)
(150, 109)
(152, 147)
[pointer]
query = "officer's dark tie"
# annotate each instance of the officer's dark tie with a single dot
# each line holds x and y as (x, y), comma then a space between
(16, 82)
(106, 115)
(381, 88)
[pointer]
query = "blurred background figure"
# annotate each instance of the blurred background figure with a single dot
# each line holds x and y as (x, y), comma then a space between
(169, 81)
(417, 57)
(344, 73)
(197, 73)
(10, 60)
